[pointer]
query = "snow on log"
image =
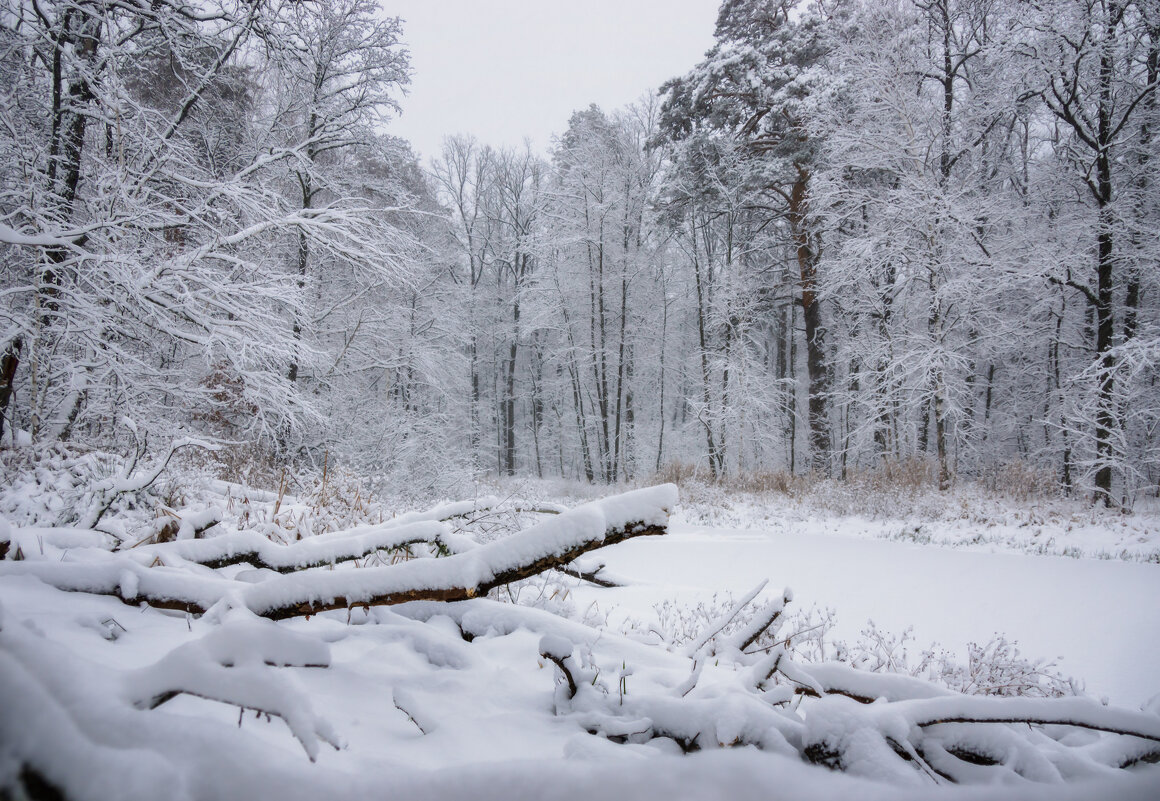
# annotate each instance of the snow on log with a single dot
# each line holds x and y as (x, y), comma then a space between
(326, 549)
(231, 665)
(131, 582)
(1082, 712)
(552, 543)
(863, 685)
(447, 511)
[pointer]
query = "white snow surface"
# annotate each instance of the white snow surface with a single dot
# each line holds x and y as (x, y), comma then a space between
(1100, 618)
(396, 702)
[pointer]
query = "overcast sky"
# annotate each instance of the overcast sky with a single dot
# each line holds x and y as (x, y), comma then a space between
(503, 70)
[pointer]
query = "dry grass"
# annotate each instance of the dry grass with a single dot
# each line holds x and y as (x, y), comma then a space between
(893, 488)
(761, 482)
(1021, 481)
(897, 475)
(1017, 479)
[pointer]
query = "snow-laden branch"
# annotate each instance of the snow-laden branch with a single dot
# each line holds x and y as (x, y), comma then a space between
(106, 491)
(886, 725)
(247, 547)
(89, 711)
(10, 236)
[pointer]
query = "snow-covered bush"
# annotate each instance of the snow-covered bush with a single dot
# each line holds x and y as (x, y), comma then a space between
(994, 668)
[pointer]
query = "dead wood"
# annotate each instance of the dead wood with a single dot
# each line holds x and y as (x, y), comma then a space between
(452, 591)
(1042, 720)
(592, 576)
(260, 553)
(558, 662)
(283, 597)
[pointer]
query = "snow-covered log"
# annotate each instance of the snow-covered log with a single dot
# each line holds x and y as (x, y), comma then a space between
(552, 543)
(549, 544)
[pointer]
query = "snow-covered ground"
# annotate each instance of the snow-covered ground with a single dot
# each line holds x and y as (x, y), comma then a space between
(438, 701)
(1099, 619)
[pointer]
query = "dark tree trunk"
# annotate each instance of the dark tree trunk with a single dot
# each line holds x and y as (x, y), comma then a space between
(807, 259)
(1105, 280)
(8, 364)
(703, 341)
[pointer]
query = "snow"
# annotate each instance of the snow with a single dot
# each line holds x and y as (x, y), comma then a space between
(555, 646)
(1095, 614)
(11, 236)
(556, 535)
(448, 700)
(320, 550)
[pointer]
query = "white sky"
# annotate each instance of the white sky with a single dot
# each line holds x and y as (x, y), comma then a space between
(504, 70)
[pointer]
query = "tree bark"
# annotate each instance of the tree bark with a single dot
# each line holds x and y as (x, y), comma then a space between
(8, 364)
(807, 259)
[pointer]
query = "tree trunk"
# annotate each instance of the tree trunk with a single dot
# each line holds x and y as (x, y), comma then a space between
(807, 259)
(621, 357)
(8, 364)
(1105, 279)
(537, 378)
(661, 393)
(63, 171)
(509, 401)
(703, 341)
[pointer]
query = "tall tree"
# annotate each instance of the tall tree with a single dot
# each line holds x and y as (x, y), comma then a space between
(145, 217)
(338, 68)
(756, 86)
(920, 146)
(465, 177)
(601, 190)
(1097, 61)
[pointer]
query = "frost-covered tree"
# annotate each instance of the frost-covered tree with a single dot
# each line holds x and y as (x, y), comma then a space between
(756, 88)
(133, 261)
(600, 193)
(197, 202)
(1096, 63)
(922, 222)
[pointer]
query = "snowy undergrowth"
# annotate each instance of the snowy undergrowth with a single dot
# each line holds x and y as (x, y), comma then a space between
(996, 667)
(963, 518)
(54, 486)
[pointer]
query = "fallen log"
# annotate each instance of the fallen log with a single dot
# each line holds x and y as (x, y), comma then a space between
(550, 544)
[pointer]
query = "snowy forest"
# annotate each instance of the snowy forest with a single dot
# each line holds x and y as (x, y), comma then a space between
(851, 235)
(885, 268)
